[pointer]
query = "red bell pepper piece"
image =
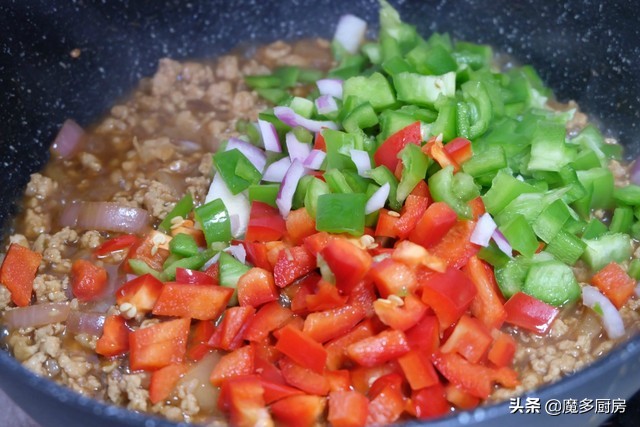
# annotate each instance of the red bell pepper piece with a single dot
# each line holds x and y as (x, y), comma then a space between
(88, 281)
(229, 332)
(411, 213)
(502, 350)
(194, 301)
(425, 336)
(158, 345)
(430, 402)
(256, 287)
(200, 335)
(194, 277)
(265, 223)
(459, 398)
(385, 346)
(298, 411)
(615, 283)
(141, 292)
(339, 380)
(456, 247)
(164, 380)
(213, 271)
(115, 244)
(393, 278)
(274, 391)
(472, 378)
(292, 263)
(238, 362)
(303, 378)
(302, 349)
(477, 207)
(422, 190)
(257, 254)
(337, 348)
(269, 317)
(348, 263)
(326, 325)
(459, 149)
(449, 294)
(115, 337)
(347, 409)
(315, 243)
(434, 149)
(325, 297)
(400, 317)
(386, 407)
(386, 226)
(418, 370)
(319, 142)
(18, 272)
(387, 153)
(469, 339)
(530, 313)
(299, 225)
(146, 250)
(436, 222)
(243, 398)
(488, 306)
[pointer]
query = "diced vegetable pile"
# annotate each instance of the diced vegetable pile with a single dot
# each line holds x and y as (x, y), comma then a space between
(362, 249)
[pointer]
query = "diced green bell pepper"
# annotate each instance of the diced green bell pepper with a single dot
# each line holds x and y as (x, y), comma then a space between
(183, 244)
(341, 213)
(606, 248)
(214, 221)
(552, 282)
(375, 89)
(181, 209)
(423, 90)
(415, 164)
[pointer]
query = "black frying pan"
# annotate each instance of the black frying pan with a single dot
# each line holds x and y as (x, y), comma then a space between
(588, 51)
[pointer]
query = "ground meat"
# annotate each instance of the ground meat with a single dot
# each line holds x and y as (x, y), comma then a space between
(40, 186)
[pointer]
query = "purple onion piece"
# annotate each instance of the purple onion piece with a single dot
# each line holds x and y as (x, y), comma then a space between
(79, 322)
(276, 170)
(238, 252)
(269, 136)
(37, 315)
(485, 228)
(634, 172)
(331, 87)
(325, 104)
(377, 199)
(362, 161)
(314, 159)
(297, 150)
(256, 156)
(288, 187)
(611, 319)
(110, 216)
(289, 117)
(68, 140)
(502, 242)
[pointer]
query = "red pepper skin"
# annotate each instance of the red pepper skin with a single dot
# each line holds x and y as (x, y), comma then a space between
(292, 263)
(88, 281)
(393, 278)
(436, 222)
(115, 337)
(202, 302)
(401, 317)
(530, 313)
(474, 379)
(615, 283)
(502, 350)
(18, 272)
(430, 402)
(302, 349)
(243, 398)
(238, 362)
(256, 287)
(469, 338)
(193, 277)
(488, 306)
(412, 211)
(298, 411)
(164, 380)
(305, 379)
(418, 370)
(265, 223)
(348, 409)
(347, 262)
(456, 247)
(459, 149)
(158, 345)
(268, 318)
(228, 334)
(325, 325)
(114, 244)
(141, 292)
(376, 350)
(387, 153)
(449, 294)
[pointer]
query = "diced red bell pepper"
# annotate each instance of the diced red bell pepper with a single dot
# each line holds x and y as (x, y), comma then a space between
(414, 255)
(413, 210)
(425, 336)
(459, 398)
(348, 263)
(459, 149)
(202, 302)
(615, 283)
(472, 378)
(393, 278)
(238, 362)
(325, 297)
(434, 149)
(299, 225)
(146, 250)
(228, 335)
(502, 350)
(337, 349)
(319, 142)
(530, 313)
(422, 190)
(430, 402)
(265, 223)
(158, 345)
(118, 243)
(88, 281)
(302, 349)
(386, 226)
(292, 263)
(433, 225)
(305, 379)
(274, 391)
(200, 335)
(323, 326)
(505, 376)
(115, 337)
(385, 346)
(386, 407)
(164, 380)
(339, 380)
(449, 294)
(243, 398)
(298, 292)
(257, 254)
(18, 272)
(213, 271)
(256, 287)
(141, 292)
(269, 317)
(488, 306)
(298, 411)
(347, 409)
(456, 247)
(400, 317)
(469, 339)
(363, 295)
(317, 242)
(477, 207)
(418, 370)
(387, 153)
(194, 277)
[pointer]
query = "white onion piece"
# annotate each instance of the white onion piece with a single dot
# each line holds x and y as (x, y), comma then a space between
(205, 393)
(288, 187)
(362, 161)
(68, 139)
(269, 136)
(238, 252)
(331, 87)
(236, 204)
(69, 216)
(211, 261)
(502, 242)
(484, 230)
(314, 159)
(275, 171)
(611, 319)
(256, 156)
(350, 32)
(79, 322)
(110, 216)
(634, 172)
(325, 104)
(377, 199)
(37, 315)
(289, 117)
(298, 150)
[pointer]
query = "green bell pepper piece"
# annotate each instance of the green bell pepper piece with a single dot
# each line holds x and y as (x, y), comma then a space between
(265, 193)
(566, 247)
(595, 228)
(375, 89)
(423, 90)
(214, 221)
(503, 190)
(183, 244)
(548, 151)
(606, 248)
(551, 220)
(317, 187)
(236, 170)
(336, 182)
(628, 195)
(552, 282)
(520, 235)
(455, 190)
(181, 209)
(622, 220)
(415, 164)
(230, 272)
(341, 213)
(382, 175)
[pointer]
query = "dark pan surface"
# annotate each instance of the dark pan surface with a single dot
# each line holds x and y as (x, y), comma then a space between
(585, 50)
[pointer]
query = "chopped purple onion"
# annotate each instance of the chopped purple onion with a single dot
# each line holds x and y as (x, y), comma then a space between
(325, 104)
(502, 242)
(238, 252)
(332, 87)
(377, 199)
(111, 216)
(289, 117)
(362, 161)
(68, 139)
(297, 150)
(256, 156)
(634, 172)
(611, 319)
(484, 230)
(314, 159)
(275, 171)
(288, 187)
(269, 136)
